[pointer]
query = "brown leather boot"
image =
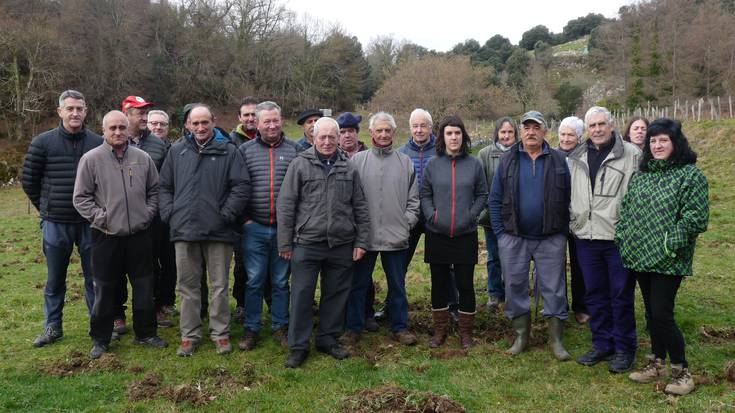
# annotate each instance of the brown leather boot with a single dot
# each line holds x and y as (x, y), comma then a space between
(466, 324)
(441, 323)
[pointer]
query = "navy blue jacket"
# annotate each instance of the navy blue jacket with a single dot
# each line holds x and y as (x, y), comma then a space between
(420, 156)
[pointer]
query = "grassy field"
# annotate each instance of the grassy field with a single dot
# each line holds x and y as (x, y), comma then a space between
(61, 378)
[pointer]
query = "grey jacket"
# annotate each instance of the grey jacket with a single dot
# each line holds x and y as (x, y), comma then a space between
(117, 196)
(594, 216)
(389, 182)
(489, 157)
(314, 206)
(453, 193)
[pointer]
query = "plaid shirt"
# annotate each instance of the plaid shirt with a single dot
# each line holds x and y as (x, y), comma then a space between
(662, 214)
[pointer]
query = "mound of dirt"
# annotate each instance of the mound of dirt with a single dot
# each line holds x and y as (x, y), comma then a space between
(720, 335)
(446, 353)
(146, 389)
(151, 387)
(730, 371)
(77, 362)
(387, 398)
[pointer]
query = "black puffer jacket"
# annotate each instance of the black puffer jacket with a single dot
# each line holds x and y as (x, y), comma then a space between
(202, 195)
(267, 165)
(154, 146)
(50, 169)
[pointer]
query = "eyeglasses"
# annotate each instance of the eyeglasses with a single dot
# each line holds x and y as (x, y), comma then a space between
(158, 124)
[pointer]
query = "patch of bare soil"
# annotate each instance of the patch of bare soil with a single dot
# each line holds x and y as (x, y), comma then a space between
(77, 362)
(446, 353)
(730, 371)
(717, 335)
(387, 398)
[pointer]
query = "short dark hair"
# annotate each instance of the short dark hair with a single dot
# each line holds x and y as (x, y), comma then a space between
(499, 124)
(682, 154)
(634, 119)
(456, 121)
(248, 100)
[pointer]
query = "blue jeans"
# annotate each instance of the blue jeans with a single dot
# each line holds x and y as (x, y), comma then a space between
(260, 251)
(394, 266)
(58, 244)
(495, 285)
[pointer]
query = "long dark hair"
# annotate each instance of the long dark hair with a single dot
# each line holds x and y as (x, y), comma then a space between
(634, 119)
(499, 124)
(682, 153)
(456, 121)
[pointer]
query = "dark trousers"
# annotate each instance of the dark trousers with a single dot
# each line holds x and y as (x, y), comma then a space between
(659, 295)
(164, 265)
(336, 268)
(239, 275)
(112, 259)
(442, 282)
(577, 279)
(609, 297)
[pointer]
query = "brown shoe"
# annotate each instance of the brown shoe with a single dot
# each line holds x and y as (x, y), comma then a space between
(281, 336)
(404, 337)
(466, 325)
(655, 370)
(187, 347)
(249, 340)
(350, 338)
(441, 322)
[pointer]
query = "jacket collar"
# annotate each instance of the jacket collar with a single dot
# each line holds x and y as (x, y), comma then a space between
(382, 151)
(430, 143)
(73, 136)
(278, 143)
(311, 155)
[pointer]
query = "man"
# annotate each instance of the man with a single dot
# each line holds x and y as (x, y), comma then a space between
(307, 119)
(323, 224)
(349, 127)
(389, 183)
(204, 190)
(49, 172)
(248, 127)
(601, 169)
(116, 190)
(266, 160)
(158, 124)
(529, 210)
(136, 109)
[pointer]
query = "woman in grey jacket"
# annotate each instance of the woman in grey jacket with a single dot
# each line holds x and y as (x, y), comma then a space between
(453, 194)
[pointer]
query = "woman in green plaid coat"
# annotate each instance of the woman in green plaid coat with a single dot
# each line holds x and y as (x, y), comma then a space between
(665, 209)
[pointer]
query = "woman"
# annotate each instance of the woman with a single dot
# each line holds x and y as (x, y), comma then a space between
(453, 194)
(570, 135)
(505, 135)
(635, 132)
(666, 207)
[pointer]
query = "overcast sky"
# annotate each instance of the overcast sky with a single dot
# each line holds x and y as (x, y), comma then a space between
(440, 24)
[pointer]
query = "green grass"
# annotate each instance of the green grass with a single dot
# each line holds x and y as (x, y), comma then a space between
(486, 380)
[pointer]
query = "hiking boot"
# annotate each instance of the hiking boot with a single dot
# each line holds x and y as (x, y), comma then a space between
(223, 345)
(655, 370)
(162, 320)
(621, 362)
(281, 336)
(115, 336)
(335, 350)
(50, 335)
(522, 327)
(296, 358)
(153, 341)
(493, 303)
(466, 325)
(441, 324)
(556, 336)
(119, 326)
(681, 383)
(249, 340)
(98, 350)
(170, 310)
(404, 337)
(350, 338)
(187, 347)
(371, 325)
(595, 356)
(239, 315)
(582, 318)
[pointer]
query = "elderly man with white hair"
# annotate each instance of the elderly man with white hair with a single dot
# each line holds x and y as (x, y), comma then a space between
(600, 171)
(323, 225)
(389, 182)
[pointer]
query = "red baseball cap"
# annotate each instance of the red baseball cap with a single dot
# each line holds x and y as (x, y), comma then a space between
(134, 102)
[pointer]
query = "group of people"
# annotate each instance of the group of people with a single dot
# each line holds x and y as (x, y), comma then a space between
(172, 214)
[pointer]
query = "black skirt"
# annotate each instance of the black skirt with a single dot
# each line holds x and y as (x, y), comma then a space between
(441, 249)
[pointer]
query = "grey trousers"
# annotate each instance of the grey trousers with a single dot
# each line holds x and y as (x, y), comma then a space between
(189, 257)
(548, 254)
(336, 267)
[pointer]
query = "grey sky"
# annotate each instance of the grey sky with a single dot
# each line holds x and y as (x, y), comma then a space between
(440, 24)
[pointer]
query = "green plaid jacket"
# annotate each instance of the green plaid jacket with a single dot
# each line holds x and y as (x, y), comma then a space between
(662, 214)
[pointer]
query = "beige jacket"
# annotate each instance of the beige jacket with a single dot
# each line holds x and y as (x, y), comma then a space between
(117, 197)
(594, 216)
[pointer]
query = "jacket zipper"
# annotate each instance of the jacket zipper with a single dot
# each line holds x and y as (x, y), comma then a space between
(125, 192)
(272, 206)
(454, 203)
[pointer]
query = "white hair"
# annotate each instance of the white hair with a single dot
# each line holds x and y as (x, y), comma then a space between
(267, 105)
(158, 112)
(574, 123)
(114, 112)
(594, 110)
(420, 112)
(328, 121)
(385, 116)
